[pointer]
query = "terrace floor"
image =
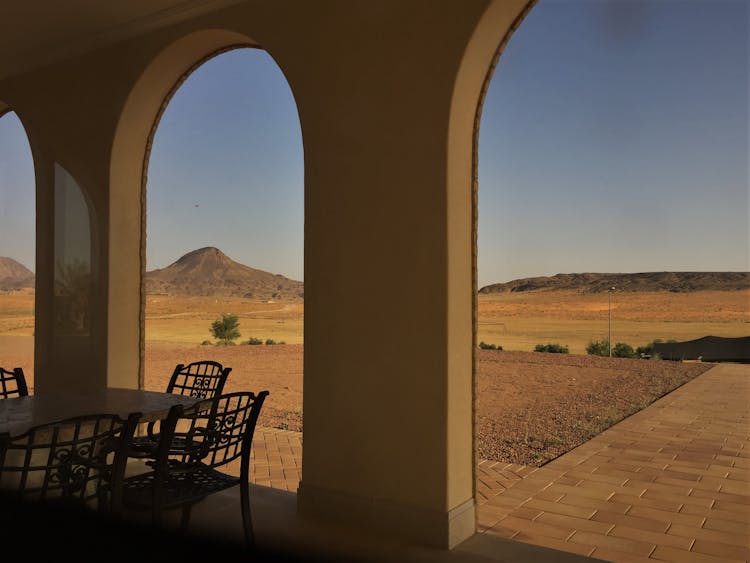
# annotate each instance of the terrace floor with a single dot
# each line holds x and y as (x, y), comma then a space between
(670, 483)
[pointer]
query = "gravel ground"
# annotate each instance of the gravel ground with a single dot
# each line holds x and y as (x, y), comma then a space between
(531, 407)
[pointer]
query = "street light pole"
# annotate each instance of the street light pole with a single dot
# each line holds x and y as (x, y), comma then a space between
(609, 330)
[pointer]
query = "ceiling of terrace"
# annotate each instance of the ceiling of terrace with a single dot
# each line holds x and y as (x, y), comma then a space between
(39, 32)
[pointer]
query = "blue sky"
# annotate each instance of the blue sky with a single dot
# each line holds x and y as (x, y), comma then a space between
(614, 138)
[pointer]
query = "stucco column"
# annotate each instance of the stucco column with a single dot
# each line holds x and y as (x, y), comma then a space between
(70, 131)
(388, 278)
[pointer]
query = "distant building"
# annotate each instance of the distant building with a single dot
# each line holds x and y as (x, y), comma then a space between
(706, 349)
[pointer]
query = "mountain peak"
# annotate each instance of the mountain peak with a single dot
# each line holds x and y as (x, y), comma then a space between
(14, 275)
(636, 282)
(205, 254)
(208, 271)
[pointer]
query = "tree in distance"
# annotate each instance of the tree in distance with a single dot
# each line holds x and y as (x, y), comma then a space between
(252, 341)
(623, 350)
(485, 346)
(598, 348)
(225, 329)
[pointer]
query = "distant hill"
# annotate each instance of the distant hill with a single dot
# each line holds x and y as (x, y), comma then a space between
(649, 281)
(14, 275)
(208, 271)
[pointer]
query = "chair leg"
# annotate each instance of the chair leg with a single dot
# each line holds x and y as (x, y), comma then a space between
(185, 518)
(247, 521)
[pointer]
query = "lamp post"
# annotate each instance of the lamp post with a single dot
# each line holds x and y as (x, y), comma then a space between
(609, 329)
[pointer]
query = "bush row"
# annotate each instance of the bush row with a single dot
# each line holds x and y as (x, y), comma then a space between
(252, 341)
(594, 348)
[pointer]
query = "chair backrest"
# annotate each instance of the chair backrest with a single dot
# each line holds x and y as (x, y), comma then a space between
(204, 379)
(79, 459)
(12, 383)
(213, 434)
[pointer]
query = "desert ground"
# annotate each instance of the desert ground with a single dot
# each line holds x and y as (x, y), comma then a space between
(531, 407)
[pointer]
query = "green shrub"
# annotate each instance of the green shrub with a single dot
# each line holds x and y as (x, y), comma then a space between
(485, 346)
(623, 350)
(225, 329)
(270, 342)
(598, 348)
(206, 343)
(252, 341)
(647, 351)
(551, 348)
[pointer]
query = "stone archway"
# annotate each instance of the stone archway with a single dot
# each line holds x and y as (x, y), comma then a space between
(18, 226)
(128, 174)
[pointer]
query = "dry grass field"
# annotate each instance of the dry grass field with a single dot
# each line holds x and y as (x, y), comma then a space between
(531, 406)
(186, 320)
(519, 321)
(516, 321)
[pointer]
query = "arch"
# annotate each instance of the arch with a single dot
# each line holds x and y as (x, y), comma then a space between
(128, 169)
(131, 148)
(25, 349)
(13, 114)
(482, 53)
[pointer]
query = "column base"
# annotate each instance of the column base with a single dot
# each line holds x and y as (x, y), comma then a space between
(434, 528)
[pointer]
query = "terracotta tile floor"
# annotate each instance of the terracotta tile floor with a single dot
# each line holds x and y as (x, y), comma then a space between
(670, 483)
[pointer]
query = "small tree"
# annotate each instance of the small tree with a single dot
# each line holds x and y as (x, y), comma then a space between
(484, 346)
(225, 329)
(623, 350)
(598, 348)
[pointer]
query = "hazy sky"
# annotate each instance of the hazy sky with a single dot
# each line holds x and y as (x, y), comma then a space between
(614, 138)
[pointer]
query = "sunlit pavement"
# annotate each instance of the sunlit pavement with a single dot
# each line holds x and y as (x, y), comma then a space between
(670, 483)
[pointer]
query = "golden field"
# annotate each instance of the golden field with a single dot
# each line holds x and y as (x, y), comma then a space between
(516, 321)
(519, 321)
(531, 407)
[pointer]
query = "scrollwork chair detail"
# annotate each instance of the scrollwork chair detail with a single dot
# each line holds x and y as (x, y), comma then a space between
(204, 380)
(80, 460)
(12, 383)
(210, 439)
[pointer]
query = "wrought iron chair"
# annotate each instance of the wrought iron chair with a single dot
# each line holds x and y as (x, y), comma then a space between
(210, 439)
(204, 379)
(12, 383)
(79, 460)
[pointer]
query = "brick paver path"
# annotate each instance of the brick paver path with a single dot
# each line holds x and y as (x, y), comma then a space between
(670, 483)
(276, 458)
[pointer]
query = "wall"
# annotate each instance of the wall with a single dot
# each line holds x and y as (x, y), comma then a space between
(387, 94)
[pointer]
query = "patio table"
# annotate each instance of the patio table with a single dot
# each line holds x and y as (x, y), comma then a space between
(21, 413)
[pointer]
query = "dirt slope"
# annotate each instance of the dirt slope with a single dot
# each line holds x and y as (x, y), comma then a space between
(531, 407)
(14, 275)
(208, 271)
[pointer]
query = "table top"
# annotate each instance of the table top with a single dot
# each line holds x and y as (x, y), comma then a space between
(21, 413)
